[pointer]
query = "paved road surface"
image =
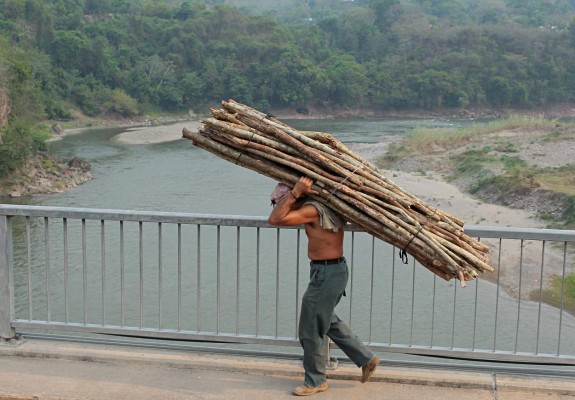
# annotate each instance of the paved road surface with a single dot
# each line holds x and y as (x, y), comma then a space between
(49, 370)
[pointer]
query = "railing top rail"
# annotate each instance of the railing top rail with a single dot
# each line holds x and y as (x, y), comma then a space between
(252, 221)
(560, 235)
(131, 215)
(139, 216)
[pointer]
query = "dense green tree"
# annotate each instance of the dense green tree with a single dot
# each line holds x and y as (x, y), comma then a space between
(498, 91)
(385, 13)
(439, 89)
(13, 9)
(347, 81)
(186, 11)
(69, 13)
(97, 6)
(122, 103)
(25, 100)
(69, 50)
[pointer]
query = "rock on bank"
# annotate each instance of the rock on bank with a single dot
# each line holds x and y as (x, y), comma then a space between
(46, 174)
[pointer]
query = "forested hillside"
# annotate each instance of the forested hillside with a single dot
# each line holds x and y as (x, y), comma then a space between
(134, 56)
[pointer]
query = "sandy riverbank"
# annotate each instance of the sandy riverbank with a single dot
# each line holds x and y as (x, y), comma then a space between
(155, 134)
(438, 193)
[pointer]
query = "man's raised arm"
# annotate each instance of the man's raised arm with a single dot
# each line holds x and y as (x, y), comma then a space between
(287, 212)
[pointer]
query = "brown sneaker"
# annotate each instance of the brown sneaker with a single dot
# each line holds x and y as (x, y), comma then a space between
(368, 369)
(305, 390)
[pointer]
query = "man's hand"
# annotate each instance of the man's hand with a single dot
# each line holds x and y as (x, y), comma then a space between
(290, 212)
(303, 187)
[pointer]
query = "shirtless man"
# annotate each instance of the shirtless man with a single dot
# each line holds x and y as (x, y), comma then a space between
(328, 279)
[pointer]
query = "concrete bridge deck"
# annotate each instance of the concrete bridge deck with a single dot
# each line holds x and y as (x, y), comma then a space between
(49, 370)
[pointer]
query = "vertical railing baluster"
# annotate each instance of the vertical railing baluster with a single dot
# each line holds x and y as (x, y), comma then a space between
(454, 315)
(160, 276)
(540, 297)
(278, 232)
(433, 308)
(475, 311)
(519, 296)
(258, 249)
(122, 277)
(48, 272)
(218, 291)
(66, 267)
(7, 332)
(198, 279)
(141, 250)
(412, 303)
(29, 260)
(392, 296)
(352, 264)
(297, 272)
(103, 264)
(238, 280)
(562, 298)
(372, 288)
(179, 277)
(497, 294)
(475, 314)
(85, 271)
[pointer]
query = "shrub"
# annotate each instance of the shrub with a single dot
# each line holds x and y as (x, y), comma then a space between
(122, 103)
(18, 145)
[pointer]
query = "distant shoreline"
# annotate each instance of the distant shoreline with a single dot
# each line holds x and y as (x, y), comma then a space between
(559, 110)
(155, 134)
(163, 129)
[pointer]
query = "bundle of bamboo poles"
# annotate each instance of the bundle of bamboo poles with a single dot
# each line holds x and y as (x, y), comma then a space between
(346, 183)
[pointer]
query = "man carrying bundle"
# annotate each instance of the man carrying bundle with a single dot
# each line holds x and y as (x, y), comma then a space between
(328, 279)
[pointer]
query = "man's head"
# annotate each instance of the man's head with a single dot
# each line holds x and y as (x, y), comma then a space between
(279, 192)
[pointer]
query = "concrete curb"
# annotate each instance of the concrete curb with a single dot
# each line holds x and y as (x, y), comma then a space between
(113, 354)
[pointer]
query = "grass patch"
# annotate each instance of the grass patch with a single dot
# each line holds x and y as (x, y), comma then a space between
(485, 168)
(513, 163)
(510, 181)
(507, 147)
(522, 121)
(472, 163)
(49, 165)
(423, 140)
(553, 294)
(561, 134)
(58, 185)
(561, 179)
(569, 214)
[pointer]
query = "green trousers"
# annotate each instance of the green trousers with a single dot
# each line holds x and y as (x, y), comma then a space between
(319, 321)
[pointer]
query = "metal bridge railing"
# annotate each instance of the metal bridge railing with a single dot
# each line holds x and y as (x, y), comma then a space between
(236, 279)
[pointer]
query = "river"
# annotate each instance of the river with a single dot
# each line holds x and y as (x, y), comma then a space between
(177, 176)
